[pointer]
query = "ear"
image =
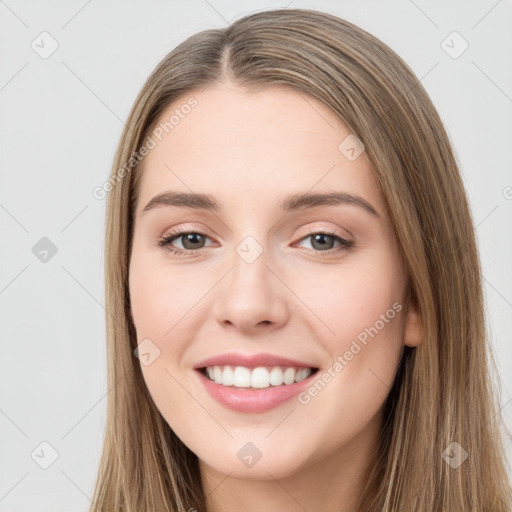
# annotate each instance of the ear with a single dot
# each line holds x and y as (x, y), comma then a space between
(413, 329)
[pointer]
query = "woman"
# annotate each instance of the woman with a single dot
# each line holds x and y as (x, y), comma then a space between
(295, 316)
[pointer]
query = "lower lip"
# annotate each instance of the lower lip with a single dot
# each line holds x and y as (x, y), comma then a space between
(253, 400)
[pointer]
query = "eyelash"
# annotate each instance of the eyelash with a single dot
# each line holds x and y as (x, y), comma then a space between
(165, 242)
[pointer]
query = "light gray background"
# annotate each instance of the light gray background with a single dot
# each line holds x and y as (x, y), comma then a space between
(61, 118)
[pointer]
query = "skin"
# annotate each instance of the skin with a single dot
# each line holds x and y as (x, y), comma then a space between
(250, 149)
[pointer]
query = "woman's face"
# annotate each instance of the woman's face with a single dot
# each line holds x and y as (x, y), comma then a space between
(280, 270)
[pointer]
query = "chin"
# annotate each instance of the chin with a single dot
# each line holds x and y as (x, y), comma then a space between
(276, 469)
(258, 460)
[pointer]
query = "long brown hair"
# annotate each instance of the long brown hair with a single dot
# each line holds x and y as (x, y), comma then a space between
(443, 391)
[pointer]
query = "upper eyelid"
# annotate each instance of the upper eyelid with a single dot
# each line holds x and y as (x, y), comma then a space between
(330, 231)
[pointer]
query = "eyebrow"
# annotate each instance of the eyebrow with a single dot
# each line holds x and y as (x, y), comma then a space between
(294, 202)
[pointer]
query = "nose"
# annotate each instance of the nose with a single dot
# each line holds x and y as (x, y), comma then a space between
(252, 298)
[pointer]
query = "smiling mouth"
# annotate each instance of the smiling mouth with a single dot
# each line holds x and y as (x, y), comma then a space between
(261, 377)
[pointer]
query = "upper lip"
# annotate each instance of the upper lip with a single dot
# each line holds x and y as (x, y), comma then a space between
(251, 361)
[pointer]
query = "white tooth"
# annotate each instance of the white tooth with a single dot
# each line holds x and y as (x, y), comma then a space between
(289, 376)
(242, 377)
(227, 376)
(217, 374)
(302, 374)
(276, 376)
(260, 378)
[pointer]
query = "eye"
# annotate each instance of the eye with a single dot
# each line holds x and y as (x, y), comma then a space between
(321, 242)
(324, 241)
(191, 240)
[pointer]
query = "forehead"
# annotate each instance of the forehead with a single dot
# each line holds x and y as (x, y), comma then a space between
(248, 145)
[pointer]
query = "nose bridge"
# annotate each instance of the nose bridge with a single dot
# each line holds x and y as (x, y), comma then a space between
(251, 276)
(252, 294)
(250, 264)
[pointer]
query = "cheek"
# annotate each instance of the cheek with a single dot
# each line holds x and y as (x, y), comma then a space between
(348, 302)
(159, 298)
(359, 323)
(160, 304)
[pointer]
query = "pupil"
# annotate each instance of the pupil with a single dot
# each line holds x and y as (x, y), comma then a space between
(191, 237)
(319, 238)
